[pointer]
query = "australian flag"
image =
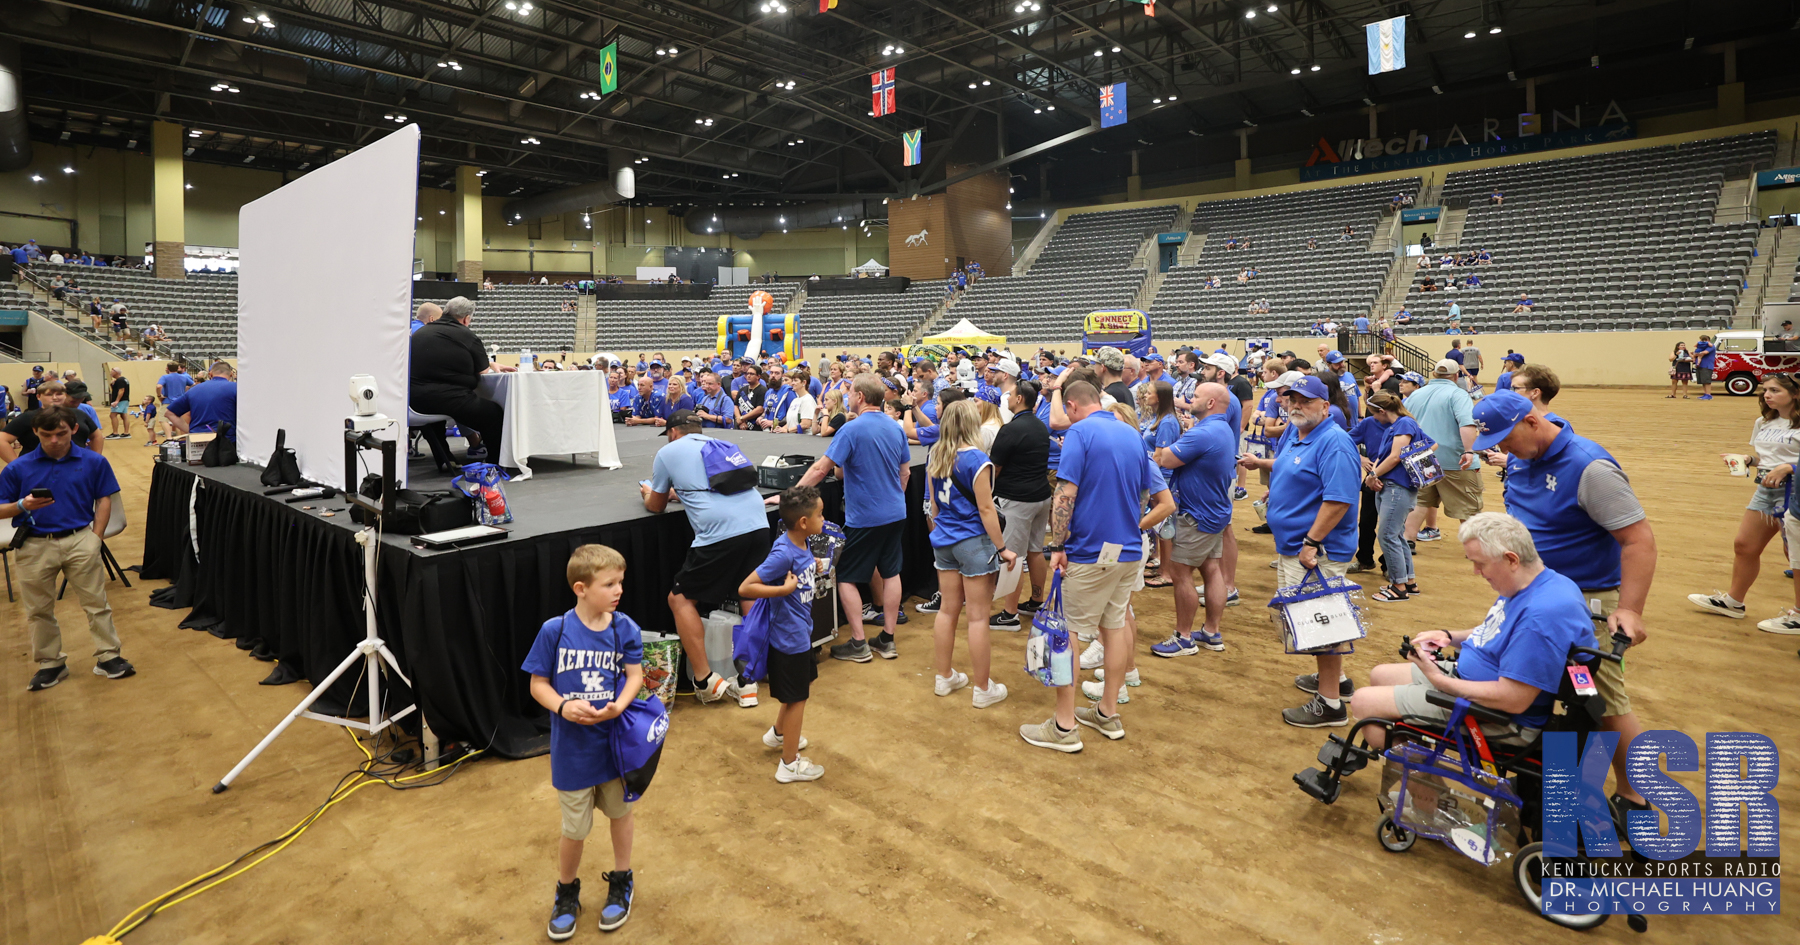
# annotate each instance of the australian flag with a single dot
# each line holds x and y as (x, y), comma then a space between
(1112, 105)
(882, 86)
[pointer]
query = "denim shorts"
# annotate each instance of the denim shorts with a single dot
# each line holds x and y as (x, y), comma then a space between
(1768, 501)
(971, 557)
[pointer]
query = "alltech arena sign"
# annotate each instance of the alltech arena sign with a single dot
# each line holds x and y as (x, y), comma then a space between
(1353, 156)
(1737, 872)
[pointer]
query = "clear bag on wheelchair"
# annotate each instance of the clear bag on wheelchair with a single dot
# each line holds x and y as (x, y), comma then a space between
(1320, 614)
(1465, 808)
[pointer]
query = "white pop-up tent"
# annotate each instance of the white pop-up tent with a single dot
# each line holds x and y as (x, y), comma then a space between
(872, 267)
(964, 333)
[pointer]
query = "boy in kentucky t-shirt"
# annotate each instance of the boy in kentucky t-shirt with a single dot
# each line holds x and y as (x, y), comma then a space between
(586, 666)
(786, 582)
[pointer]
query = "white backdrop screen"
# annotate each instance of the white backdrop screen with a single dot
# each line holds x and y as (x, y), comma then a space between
(324, 293)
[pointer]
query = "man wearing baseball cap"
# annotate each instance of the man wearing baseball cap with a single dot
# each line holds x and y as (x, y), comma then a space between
(731, 538)
(1508, 364)
(1447, 414)
(1588, 526)
(1315, 479)
(1112, 374)
(1336, 370)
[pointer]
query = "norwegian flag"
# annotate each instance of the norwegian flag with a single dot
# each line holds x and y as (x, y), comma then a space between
(882, 85)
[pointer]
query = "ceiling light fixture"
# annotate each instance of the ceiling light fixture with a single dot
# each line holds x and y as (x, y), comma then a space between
(1315, 67)
(971, 85)
(187, 187)
(1049, 108)
(1249, 14)
(1156, 101)
(37, 178)
(68, 170)
(194, 134)
(1037, 111)
(1307, 112)
(1115, 49)
(1272, 8)
(1469, 35)
(1294, 71)
(1171, 96)
(1493, 30)
(1098, 54)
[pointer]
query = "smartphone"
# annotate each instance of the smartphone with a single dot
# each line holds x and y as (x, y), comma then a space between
(41, 493)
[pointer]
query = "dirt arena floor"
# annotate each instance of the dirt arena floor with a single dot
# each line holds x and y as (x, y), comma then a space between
(933, 823)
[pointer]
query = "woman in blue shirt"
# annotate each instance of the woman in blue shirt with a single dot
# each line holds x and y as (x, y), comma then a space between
(1395, 494)
(965, 533)
(1161, 427)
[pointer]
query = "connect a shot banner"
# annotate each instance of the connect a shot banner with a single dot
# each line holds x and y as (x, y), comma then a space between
(1125, 329)
(1387, 45)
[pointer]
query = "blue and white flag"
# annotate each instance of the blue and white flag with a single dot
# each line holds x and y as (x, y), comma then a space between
(1112, 105)
(1387, 45)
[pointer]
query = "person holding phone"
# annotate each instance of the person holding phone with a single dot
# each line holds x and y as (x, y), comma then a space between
(59, 496)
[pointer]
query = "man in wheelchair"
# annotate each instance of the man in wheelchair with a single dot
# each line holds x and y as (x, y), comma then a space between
(1513, 663)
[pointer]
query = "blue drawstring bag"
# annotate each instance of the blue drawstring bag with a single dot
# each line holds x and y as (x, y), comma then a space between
(728, 471)
(1048, 656)
(637, 743)
(750, 642)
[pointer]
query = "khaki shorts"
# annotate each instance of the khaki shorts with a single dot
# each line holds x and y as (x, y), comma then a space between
(1459, 492)
(1410, 700)
(1194, 547)
(578, 807)
(1288, 571)
(1609, 677)
(1097, 595)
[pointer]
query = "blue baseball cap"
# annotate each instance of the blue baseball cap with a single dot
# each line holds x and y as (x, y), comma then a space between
(1309, 387)
(1496, 415)
(1153, 356)
(1515, 356)
(1415, 377)
(1334, 357)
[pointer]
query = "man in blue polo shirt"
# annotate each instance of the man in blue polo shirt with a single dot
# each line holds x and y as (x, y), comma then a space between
(205, 406)
(62, 532)
(1588, 526)
(173, 383)
(870, 455)
(1096, 526)
(1512, 360)
(1315, 478)
(1204, 468)
(714, 406)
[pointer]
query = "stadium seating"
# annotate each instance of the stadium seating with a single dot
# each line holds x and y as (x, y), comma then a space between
(1082, 269)
(525, 316)
(678, 324)
(1339, 279)
(199, 314)
(1622, 241)
(883, 318)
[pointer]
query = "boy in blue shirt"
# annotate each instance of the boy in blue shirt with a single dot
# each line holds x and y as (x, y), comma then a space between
(586, 666)
(788, 580)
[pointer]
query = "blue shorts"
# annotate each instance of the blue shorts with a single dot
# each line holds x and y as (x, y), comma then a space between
(1768, 501)
(971, 557)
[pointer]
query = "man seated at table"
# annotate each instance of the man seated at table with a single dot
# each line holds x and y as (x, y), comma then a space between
(447, 363)
(205, 406)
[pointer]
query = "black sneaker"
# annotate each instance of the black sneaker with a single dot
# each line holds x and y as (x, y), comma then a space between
(1261, 529)
(115, 668)
(855, 651)
(1310, 683)
(930, 606)
(1030, 606)
(618, 900)
(1316, 714)
(1004, 620)
(47, 677)
(567, 908)
(884, 648)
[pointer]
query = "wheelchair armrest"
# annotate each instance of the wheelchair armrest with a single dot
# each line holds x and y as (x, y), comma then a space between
(1447, 701)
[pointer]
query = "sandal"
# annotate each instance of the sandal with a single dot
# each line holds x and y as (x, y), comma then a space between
(1158, 581)
(1412, 589)
(1390, 593)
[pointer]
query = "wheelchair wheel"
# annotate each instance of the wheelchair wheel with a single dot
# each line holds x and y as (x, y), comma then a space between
(1393, 837)
(1528, 871)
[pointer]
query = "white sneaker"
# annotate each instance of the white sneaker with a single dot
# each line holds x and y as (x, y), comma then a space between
(718, 689)
(1787, 622)
(774, 741)
(800, 770)
(1094, 689)
(949, 684)
(1716, 603)
(745, 695)
(1094, 656)
(995, 692)
(1131, 677)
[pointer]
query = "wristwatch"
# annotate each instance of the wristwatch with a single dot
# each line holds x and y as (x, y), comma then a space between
(1052, 549)
(1313, 543)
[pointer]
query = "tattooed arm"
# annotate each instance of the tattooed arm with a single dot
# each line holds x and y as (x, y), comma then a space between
(1060, 513)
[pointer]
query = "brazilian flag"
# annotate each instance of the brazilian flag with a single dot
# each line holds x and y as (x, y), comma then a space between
(609, 68)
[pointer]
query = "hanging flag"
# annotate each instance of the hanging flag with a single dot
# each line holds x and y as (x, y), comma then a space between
(1387, 45)
(1112, 105)
(882, 85)
(912, 146)
(827, 5)
(1150, 8)
(609, 68)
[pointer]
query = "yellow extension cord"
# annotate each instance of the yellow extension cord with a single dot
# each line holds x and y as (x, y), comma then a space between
(133, 919)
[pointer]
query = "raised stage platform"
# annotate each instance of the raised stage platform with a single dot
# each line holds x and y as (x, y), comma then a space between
(285, 582)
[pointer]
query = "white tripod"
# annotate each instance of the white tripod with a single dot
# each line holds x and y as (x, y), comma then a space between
(370, 652)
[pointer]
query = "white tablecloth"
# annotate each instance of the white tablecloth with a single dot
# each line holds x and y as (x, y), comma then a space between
(552, 413)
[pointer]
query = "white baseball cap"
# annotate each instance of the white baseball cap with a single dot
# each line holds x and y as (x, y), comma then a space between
(1288, 379)
(1223, 362)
